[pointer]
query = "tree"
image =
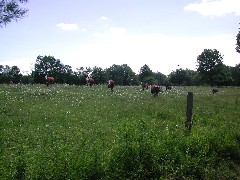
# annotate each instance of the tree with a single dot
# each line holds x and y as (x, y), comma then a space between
(121, 74)
(99, 75)
(48, 65)
(1, 69)
(27, 79)
(65, 74)
(235, 72)
(8, 73)
(181, 77)
(128, 76)
(222, 75)
(4, 73)
(207, 61)
(192, 77)
(146, 75)
(15, 74)
(161, 78)
(11, 10)
(238, 42)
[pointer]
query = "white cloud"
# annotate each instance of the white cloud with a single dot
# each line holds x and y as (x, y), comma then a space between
(162, 53)
(117, 31)
(68, 27)
(113, 33)
(215, 7)
(104, 18)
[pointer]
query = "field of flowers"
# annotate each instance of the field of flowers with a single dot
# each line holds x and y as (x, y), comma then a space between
(78, 132)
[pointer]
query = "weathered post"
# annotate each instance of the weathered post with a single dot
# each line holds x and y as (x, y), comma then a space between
(188, 122)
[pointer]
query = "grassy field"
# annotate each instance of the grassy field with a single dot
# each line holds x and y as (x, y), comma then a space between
(78, 132)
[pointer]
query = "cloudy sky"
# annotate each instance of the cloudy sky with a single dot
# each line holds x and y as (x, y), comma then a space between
(85, 33)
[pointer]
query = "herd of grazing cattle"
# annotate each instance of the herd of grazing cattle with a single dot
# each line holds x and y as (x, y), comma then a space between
(154, 89)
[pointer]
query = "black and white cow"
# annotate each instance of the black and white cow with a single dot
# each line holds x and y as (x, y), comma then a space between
(214, 91)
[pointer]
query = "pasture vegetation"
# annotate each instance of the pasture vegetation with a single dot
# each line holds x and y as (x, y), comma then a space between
(78, 132)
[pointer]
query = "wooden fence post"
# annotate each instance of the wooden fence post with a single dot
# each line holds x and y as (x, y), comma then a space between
(188, 122)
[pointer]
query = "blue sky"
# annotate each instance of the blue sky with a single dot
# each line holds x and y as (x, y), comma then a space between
(162, 34)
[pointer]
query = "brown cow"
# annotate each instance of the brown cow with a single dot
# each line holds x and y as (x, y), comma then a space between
(111, 84)
(144, 85)
(155, 90)
(90, 81)
(49, 80)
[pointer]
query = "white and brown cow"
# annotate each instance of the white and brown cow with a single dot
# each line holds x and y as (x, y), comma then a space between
(90, 81)
(155, 90)
(49, 80)
(111, 84)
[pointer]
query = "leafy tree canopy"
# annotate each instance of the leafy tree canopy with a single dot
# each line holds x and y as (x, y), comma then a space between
(11, 10)
(207, 61)
(238, 42)
(222, 75)
(121, 74)
(146, 74)
(8, 73)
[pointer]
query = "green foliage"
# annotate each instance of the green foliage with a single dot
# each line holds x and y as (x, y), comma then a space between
(11, 10)
(77, 132)
(146, 75)
(8, 74)
(161, 79)
(222, 75)
(182, 77)
(121, 74)
(235, 74)
(238, 42)
(99, 75)
(207, 61)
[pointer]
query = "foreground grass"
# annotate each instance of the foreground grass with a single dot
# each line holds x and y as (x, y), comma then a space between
(77, 132)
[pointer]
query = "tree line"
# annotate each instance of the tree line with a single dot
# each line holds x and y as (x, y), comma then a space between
(210, 71)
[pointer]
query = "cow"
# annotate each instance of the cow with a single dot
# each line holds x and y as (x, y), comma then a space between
(144, 85)
(49, 80)
(168, 88)
(214, 91)
(90, 81)
(155, 90)
(111, 84)
(10, 82)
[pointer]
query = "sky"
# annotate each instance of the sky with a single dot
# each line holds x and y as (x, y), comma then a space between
(163, 34)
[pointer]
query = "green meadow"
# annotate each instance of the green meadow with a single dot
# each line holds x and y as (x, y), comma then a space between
(77, 132)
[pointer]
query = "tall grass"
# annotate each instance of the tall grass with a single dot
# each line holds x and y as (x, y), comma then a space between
(77, 132)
